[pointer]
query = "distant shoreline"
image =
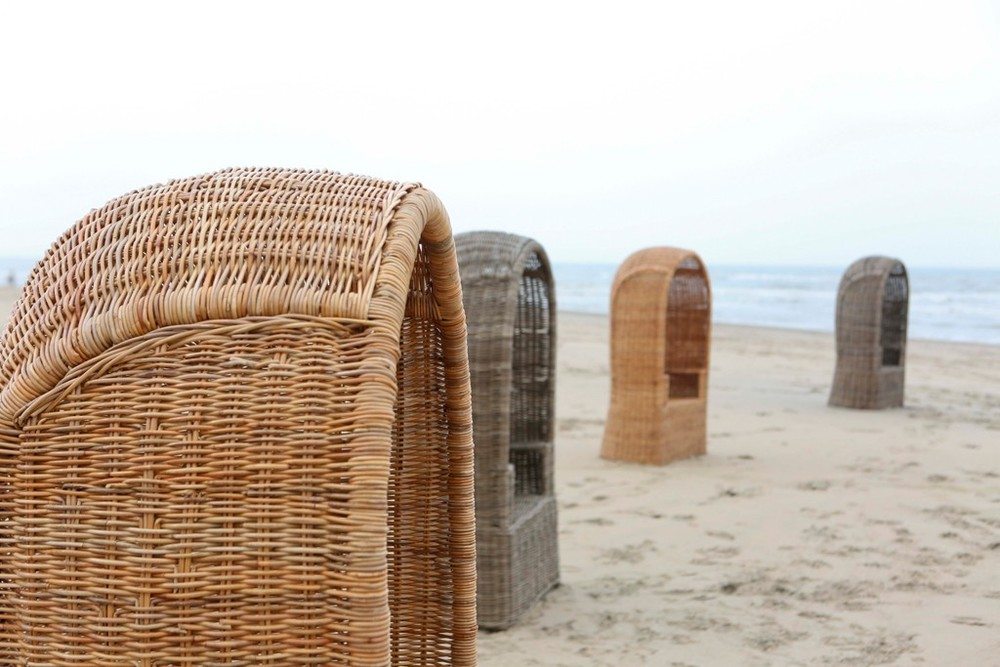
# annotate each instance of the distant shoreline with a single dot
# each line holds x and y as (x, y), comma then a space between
(794, 330)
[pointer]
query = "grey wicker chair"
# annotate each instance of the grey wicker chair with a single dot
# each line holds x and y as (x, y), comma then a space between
(510, 300)
(872, 305)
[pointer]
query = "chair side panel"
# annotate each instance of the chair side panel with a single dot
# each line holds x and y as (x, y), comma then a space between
(491, 334)
(215, 497)
(634, 428)
(859, 352)
(431, 542)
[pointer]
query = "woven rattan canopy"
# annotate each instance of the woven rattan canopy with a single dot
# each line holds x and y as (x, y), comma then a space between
(236, 424)
(511, 309)
(660, 335)
(872, 305)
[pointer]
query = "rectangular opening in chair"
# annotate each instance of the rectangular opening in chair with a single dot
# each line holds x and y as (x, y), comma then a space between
(531, 372)
(891, 357)
(894, 306)
(684, 385)
(532, 375)
(687, 329)
(529, 469)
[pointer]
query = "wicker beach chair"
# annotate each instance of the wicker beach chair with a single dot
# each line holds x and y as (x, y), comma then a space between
(660, 333)
(235, 417)
(872, 305)
(510, 305)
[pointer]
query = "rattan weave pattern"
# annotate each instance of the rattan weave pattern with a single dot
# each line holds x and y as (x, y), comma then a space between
(236, 430)
(510, 305)
(660, 337)
(872, 306)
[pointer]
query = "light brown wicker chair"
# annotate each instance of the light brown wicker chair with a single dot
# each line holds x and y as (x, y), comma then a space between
(872, 305)
(660, 334)
(236, 430)
(511, 309)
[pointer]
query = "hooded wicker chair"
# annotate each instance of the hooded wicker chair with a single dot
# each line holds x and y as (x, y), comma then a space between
(660, 332)
(236, 424)
(511, 310)
(872, 305)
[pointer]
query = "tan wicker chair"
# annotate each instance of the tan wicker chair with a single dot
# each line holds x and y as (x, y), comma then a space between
(660, 333)
(872, 305)
(236, 425)
(511, 309)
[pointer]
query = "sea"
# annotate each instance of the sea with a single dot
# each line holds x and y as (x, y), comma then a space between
(945, 304)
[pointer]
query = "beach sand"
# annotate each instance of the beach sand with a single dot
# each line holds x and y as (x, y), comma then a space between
(807, 535)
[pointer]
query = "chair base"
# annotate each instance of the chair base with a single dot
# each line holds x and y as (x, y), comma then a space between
(680, 433)
(517, 567)
(868, 390)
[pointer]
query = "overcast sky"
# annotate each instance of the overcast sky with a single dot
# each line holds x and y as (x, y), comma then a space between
(765, 133)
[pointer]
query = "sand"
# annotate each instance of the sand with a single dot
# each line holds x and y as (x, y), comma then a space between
(807, 535)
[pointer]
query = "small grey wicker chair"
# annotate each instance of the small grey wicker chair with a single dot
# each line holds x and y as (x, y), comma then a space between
(872, 305)
(510, 304)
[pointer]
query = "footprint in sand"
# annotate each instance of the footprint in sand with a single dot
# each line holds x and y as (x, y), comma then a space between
(970, 620)
(864, 646)
(732, 492)
(710, 555)
(773, 636)
(984, 474)
(630, 553)
(596, 521)
(721, 534)
(815, 485)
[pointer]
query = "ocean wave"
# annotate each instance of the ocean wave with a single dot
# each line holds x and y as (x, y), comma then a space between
(946, 304)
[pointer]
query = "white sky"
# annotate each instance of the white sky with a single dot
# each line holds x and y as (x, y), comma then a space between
(787, 133)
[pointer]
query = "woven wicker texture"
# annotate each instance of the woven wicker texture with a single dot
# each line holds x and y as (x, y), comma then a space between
(511, 310)
(872, 305)
(660, 335)
(236, 430)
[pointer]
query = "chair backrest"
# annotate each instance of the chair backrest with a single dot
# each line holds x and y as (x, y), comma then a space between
(236, 428)
(511, 311)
